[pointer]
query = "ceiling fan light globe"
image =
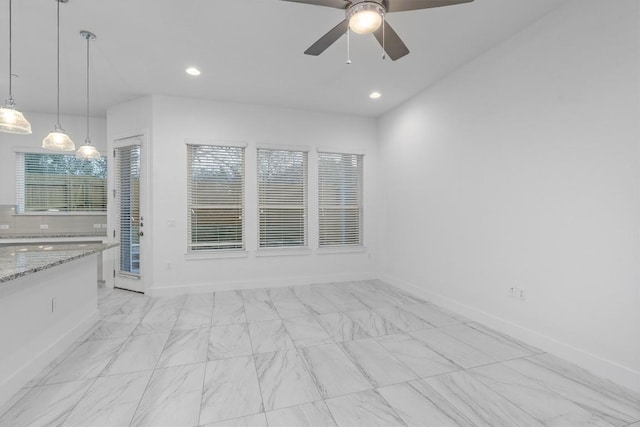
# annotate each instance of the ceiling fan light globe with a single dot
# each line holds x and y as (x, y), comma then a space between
(365, 18)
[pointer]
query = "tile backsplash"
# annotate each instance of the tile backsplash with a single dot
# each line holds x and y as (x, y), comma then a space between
(14, 225)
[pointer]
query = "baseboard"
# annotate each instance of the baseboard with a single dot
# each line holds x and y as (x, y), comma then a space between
(72, 329)
(605, 368)
(278, 282)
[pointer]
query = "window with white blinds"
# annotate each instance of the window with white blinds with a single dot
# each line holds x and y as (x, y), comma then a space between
(127, 191)
(215, 192)
(340, 199)
(60, 183)
(282, 198)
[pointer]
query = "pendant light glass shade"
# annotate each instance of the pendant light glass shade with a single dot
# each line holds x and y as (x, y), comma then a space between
(12, 120)
(87, 151)
(58, 138)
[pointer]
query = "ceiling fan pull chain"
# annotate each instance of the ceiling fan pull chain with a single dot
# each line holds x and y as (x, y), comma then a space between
(384, 52)
(348, 46)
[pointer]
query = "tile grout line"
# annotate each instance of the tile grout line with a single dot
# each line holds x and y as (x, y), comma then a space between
(255, 366)
(514, 403)
(92, 383)
(146, 388)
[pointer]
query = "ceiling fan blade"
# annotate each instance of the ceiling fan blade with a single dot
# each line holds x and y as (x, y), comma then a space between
(328, 39)
(404, 5)
(338, 4)
(393, 45)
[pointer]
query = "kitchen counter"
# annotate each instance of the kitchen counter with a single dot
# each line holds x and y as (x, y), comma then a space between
(20, 260)
(48, 299)
(44, 237)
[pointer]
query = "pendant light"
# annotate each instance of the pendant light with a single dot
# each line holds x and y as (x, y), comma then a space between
(57, 138)
(87, 151)
(12, 120)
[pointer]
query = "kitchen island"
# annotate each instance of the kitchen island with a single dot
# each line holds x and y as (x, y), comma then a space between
(48, 299)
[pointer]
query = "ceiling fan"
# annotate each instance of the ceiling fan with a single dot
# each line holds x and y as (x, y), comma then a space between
(368, 16)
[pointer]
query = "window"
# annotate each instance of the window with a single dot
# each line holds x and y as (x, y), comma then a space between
(340, 199)
(282, 198)
(215, 192)
(60, 183)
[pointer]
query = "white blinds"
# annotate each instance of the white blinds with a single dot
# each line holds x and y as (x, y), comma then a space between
(340, 199)
(282, 198)
(127, 172)
(215, 193)
(60, 183)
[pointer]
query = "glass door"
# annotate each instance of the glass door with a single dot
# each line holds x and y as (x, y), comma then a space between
(130, 222)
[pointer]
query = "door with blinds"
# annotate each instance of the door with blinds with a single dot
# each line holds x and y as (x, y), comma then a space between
(130, 220)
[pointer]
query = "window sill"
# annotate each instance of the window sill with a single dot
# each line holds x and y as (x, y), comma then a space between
(342, 250)
(228, 254)
(267, 252)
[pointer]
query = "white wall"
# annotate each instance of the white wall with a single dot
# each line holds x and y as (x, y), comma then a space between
(41, 125)
(167, 268)
(522, 169)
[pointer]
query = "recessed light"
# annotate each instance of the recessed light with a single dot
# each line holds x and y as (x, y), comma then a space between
(193, 71)
(375, 95)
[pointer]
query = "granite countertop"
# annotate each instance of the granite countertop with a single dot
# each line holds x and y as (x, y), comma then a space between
(50, 236)
(21, 260)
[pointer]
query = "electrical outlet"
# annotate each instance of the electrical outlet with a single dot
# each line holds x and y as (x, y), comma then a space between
(44, 226)
(97, 225)
(519, 293)
(522, 294)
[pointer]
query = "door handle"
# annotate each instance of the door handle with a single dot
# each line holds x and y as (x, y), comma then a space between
(141, 234)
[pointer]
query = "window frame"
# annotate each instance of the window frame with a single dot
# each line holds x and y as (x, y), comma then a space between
(359, 245)
(304, 205)
(21, 184)
(192, 250)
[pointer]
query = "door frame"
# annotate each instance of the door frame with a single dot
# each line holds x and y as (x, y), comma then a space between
(114, 215)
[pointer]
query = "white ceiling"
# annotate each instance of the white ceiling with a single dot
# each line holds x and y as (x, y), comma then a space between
(248, 50)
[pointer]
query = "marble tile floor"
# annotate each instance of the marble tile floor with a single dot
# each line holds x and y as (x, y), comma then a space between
(341, 355)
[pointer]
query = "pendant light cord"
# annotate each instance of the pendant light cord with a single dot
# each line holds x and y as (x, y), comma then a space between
(58, 63)
(88, 41)
(10, 50)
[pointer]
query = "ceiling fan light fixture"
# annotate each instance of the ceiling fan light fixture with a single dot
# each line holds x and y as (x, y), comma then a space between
(365, 17)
